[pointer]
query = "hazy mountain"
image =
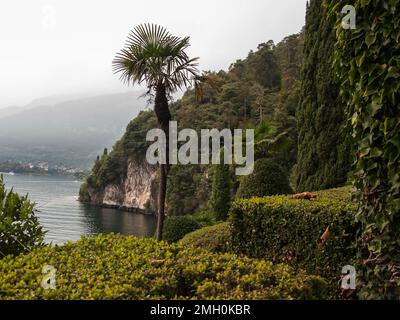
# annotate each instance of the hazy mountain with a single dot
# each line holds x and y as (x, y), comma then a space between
(45, 101)
(9, 111)
(70, 133)
(57, 99)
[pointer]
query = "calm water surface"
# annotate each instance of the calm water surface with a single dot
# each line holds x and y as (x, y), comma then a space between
(65, 218)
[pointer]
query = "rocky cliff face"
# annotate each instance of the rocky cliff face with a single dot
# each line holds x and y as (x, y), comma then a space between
(138, 191)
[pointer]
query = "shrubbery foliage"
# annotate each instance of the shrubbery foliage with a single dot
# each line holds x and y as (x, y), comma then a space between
(216, 238)
(20, 230)
(176, 227)
(118, 267)
(267, 179)
(281, 229)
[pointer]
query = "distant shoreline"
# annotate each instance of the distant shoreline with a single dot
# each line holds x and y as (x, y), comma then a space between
(11, 168)
(48, 174)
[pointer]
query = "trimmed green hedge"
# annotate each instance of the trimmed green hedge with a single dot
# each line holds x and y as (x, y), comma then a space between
(176, 227)
(285, 230)
(119, 267)
(215, 238)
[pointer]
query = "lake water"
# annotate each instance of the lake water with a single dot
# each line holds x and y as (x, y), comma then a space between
(65, 218)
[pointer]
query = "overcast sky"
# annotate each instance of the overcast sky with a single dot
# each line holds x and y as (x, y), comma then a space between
(52, 47)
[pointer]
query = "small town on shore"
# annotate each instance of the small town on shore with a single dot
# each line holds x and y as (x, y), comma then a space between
(13, 167)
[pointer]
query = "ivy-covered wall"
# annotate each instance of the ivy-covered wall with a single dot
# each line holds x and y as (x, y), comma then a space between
(368, 63)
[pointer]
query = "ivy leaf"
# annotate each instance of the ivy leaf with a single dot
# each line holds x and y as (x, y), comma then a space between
(375, 107)
(370, 39)
(364, 152)
(392, 73)
(396, 142)
(375, 152)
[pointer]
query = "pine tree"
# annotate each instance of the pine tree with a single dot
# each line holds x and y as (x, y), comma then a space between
(323, 154)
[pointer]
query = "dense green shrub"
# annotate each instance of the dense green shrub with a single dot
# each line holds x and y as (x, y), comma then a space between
(267, 179)
(118, 267)
(215, 238)
(175, 228)
(205, 218)
(20, 230)
(368, 63)
(286, 230)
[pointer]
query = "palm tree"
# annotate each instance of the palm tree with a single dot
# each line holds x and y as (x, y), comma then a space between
(152, 56)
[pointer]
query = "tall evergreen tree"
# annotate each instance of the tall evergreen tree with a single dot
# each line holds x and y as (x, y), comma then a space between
(323, 155)
(221, 191)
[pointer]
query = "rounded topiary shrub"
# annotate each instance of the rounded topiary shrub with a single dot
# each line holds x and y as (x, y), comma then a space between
(215, 238)
(175, 228)
(267, 179)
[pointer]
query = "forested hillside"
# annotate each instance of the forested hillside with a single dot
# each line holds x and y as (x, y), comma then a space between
(261, 92)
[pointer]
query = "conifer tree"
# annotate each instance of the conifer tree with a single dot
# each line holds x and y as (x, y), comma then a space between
(323, 155)
(221, 191)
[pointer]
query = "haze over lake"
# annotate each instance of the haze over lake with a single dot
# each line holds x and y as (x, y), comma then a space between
(65, 218)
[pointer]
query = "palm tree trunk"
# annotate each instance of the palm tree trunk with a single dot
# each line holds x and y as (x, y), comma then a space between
(164, 117)
(161, 201)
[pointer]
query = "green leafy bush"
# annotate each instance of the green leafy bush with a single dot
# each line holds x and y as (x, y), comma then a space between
(267, 179)
(286, 230)
(119, 267)
(215, 238)
(175, 228)
(205, 218)
(20, 230)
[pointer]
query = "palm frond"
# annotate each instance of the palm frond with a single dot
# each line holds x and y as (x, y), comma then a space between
(153, 56)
